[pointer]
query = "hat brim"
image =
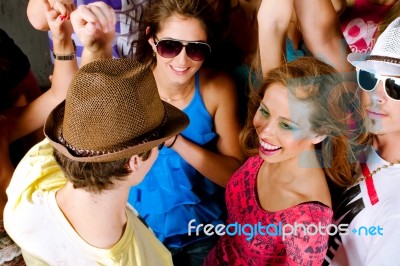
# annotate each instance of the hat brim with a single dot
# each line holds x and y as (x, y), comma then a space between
(175, 122)
(379, 67)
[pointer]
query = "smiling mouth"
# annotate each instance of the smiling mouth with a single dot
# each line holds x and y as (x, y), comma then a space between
(179, 69)
(269, 147)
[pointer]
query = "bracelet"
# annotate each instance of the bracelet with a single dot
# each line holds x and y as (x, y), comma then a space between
(64, 57)
(173, 142)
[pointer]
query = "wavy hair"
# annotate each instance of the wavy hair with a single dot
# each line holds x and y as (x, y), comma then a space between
(336, 114)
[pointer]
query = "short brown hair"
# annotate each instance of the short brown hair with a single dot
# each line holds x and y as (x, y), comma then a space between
(95, 176)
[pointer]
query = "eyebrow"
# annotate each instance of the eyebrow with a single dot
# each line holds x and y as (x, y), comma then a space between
(284, 118)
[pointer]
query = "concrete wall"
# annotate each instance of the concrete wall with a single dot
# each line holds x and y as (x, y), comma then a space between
(34, 43)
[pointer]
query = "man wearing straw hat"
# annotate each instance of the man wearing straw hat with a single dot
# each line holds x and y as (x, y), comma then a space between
(67, 200)
(371, 208)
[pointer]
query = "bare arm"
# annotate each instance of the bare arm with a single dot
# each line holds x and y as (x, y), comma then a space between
(94, 25)
(37, 16)
(273, 21)
(218, 166)
(90, 22)
(321, 32)
(26, 119)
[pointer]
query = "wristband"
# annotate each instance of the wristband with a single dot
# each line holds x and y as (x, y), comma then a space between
(173, 142)
(64, 57)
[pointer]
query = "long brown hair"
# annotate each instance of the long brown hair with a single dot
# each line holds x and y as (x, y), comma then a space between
(157, 11)
(336, 114)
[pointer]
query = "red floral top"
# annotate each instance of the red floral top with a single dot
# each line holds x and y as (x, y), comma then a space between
(259, 238)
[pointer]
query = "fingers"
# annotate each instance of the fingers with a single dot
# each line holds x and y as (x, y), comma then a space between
(94, 16)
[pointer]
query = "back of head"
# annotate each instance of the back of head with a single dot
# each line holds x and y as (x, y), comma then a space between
(112, 111)
(334, 107)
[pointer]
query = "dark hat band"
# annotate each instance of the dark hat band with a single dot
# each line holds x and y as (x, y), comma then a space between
(149, 136)
(383, 58)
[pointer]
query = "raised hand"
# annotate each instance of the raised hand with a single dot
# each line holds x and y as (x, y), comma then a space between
(94, 24)
(58, 19)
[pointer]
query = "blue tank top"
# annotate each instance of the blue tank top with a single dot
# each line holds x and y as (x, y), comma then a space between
(291, 53)
(173, 192)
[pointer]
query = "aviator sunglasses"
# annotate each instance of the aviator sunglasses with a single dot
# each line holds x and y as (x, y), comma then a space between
(169, 48)
(369, 81)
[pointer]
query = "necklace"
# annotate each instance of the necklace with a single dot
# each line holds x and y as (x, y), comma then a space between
(378, 169)
(180, 99)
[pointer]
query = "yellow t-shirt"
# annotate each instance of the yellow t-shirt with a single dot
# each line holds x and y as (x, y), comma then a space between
(34, 221)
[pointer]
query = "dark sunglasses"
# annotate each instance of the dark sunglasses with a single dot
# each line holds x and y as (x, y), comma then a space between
(169, 48)
(369, 81)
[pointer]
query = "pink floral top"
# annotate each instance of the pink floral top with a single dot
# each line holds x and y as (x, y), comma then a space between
(261, 241)
(360, 23)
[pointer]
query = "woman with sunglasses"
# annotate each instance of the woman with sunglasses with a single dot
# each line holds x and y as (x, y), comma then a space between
(194, 166)
(186, 182)
(370, 208)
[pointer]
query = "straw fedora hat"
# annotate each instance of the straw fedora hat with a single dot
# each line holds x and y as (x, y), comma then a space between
(384, 58)
(112, 111)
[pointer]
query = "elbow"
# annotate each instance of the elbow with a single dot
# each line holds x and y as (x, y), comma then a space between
(39, 26)
(38, 21)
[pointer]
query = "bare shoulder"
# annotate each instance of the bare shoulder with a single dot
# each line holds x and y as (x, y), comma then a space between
(317, 191)
(217, 89)
(216, 86)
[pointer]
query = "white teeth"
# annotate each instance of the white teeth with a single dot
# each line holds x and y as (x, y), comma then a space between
(180, 68)
(268, 146)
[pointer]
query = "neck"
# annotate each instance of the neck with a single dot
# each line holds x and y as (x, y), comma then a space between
(388, 146)
(290, 170)
(99, 218)
(170, 91)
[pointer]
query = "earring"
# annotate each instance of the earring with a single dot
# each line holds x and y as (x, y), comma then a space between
(154, 54)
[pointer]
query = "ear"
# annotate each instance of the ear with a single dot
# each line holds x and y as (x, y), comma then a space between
(318, 138)
(135, 162)
(149, 37)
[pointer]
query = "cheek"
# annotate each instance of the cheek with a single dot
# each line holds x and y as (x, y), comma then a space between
(258, 123)
(365, 97)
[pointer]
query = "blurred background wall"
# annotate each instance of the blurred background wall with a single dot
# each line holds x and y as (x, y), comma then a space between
(32, 42)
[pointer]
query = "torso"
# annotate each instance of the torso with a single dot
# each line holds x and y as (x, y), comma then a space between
(267, 249)
(367, 205)
(277, 191)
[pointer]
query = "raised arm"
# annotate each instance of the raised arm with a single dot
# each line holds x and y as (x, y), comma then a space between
(321, 32)
(94, 25)
(26, 119)
(37, 14)
(273, 22)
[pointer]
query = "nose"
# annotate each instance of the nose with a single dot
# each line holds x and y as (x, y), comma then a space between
(379, 94)
(182, 57)
(265, 128)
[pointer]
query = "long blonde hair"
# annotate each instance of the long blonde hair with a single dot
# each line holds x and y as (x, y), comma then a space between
(336, 114)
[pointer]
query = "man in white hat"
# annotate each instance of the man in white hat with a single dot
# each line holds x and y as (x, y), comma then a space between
(371, 208)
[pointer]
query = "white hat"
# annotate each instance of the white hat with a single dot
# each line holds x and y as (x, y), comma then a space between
(384, 58)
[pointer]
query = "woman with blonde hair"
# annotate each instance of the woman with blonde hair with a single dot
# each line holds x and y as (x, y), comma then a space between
(297, 136)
